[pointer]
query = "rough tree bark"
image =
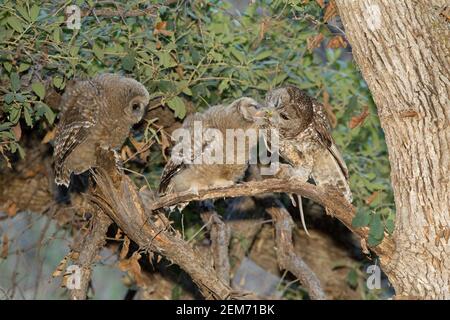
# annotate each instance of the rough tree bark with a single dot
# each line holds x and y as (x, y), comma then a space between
(402, 49)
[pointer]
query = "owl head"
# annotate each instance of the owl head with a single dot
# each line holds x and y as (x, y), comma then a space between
(129, 96)
(246, 110)
(289, 108)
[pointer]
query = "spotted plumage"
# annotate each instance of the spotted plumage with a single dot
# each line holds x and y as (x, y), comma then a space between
(95, 112)
(305, 138)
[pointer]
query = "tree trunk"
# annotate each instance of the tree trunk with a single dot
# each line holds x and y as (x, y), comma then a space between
(402, 49)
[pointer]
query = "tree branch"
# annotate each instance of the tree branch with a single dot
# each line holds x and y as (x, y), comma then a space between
(287, 259)
(116, 195)
(88, 250)
(328, 198)
(220, 240)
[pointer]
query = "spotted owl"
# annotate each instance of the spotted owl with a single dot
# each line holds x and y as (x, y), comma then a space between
(95, 112)
(180, 176)
(305, 138)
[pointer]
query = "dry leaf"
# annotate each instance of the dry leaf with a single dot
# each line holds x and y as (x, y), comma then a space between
(133, 268)
(125, 153)
(5, 247)
(330, 11)
(180, 71)
(321, 3)
(17, 130)
(61, 267)
(359, 120)
(372, 197)
(125, 248)
(337, 42)
(165, 144)
(160, 28)
(49, 136)
(314, 42)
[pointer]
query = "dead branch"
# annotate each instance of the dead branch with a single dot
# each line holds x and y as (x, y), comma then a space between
(328, 198)
(117, 196)
(220, 240)
(88, 249)
(286, 256)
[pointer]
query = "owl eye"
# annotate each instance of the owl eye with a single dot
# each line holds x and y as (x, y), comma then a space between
(135, 106)
(283, 116)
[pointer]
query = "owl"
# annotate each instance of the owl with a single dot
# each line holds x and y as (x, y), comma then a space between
(95, 112)
(305, 138)
(196, 173)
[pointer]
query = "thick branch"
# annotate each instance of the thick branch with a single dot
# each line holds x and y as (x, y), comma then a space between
(330, 199)
(220, 240)
(88, 250)
(287, 259)
(117, 196)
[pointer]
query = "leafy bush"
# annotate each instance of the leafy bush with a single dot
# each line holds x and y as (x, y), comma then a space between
(201, 51)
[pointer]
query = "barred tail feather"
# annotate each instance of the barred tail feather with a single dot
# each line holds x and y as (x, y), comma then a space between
(330, 169)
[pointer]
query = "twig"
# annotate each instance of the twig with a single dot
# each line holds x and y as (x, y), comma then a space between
(220, 240)
(88, 250)
(287, 259)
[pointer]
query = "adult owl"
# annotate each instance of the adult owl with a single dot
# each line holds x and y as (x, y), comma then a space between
(305, 138)
(196, 173)
(95, 112)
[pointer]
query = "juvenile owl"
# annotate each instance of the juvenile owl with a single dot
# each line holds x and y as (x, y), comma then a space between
(305, 139)
(95, 112)
(196, 173)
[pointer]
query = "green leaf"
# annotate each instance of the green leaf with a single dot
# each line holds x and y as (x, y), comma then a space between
(15, 23)
(263, 55)
(166, 60)
(23, 12)
(98, 51)
(27, 114)
(361, 219)
(9, 97)
(238, 54)
(4, 126)
(34, 12)
(390, 226)
(21, 151)
(39, 89)
(128, 62)
(23, 67)
(58, 82)
(376, 227)
(14, 115)
(8, 66)
(224, 84)
(44, 109)
(352, 278)
(57, 35)
(15, 82)
(177, 105)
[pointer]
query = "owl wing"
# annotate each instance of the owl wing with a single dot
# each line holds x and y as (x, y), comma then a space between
(329, 166)
(79, 115)
(322, 127)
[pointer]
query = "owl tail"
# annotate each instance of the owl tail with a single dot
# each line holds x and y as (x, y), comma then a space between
(330, 169)
(62, 175)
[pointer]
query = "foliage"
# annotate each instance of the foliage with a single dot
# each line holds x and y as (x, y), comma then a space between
(202, 51)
